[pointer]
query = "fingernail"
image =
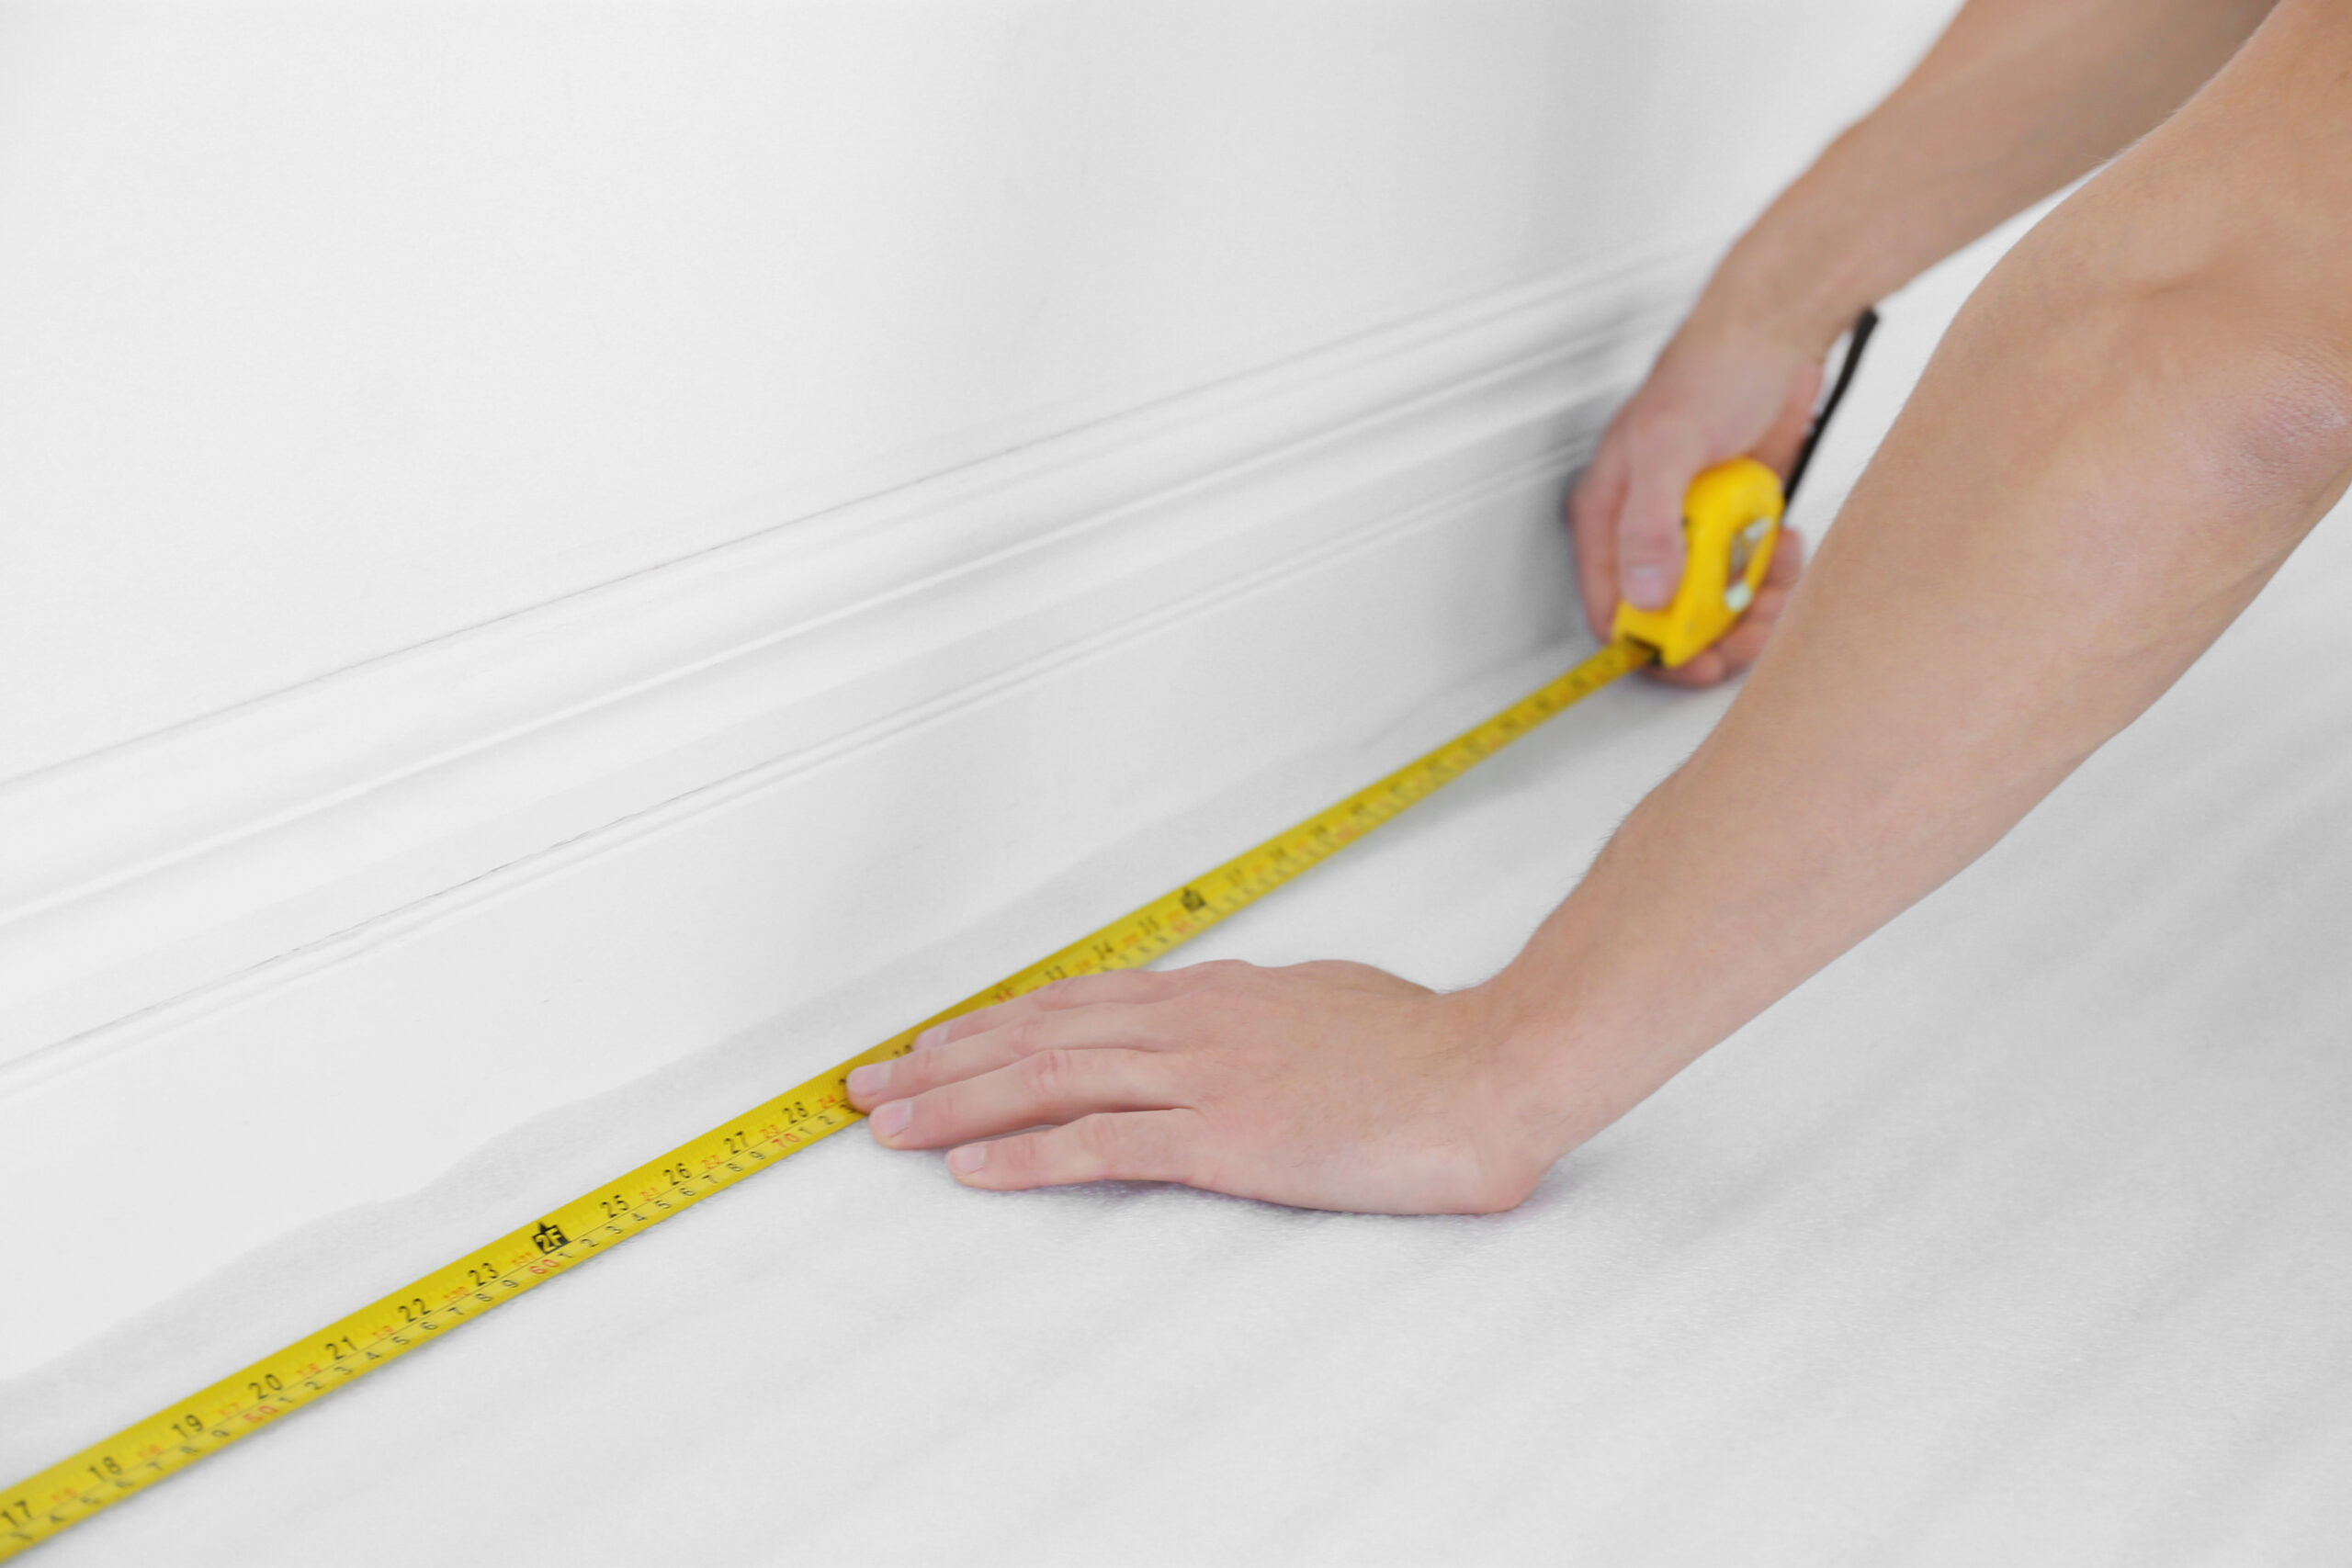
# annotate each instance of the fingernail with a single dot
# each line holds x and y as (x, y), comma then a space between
(969, 1158)
(869, 1078)
(891, 1120)
(1645, 586)
(930, 1037)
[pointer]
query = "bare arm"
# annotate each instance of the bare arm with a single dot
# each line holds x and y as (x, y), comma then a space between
(2016, 99)
(2131, 425)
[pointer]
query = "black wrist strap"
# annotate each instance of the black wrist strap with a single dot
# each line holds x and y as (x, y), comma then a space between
(1860, 336)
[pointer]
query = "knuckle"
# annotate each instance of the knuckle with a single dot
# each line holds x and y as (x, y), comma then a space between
(1130, 1147)
(1099, 1139)
(1048, 1074)
(1590, 494)
(1188, 1012)
(1011, 1161)
(1650, 538)
(1060, 994)
(1158, 1154)
(1656, 442)
(909, 1074)
(957, 1029)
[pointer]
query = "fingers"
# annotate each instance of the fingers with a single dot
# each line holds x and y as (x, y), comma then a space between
(1023, 1034)
(1086, 1053)
(1118, 986)
(1745, 642)
(1718, 389)
(1705, 669)
(1146, 1145)
(1056, 1085)
(1626, 514)
(1788, 564)
(1040, 1064)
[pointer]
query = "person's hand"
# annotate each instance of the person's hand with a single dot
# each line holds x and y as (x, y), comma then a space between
(1327, 1086)
(1718, 391)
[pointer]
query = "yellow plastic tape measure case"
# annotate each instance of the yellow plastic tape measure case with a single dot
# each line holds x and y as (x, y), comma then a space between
(1731, 519)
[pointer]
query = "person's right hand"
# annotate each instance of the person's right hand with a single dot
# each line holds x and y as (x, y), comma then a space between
(1718, 391)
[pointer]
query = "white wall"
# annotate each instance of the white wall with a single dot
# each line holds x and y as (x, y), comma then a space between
(539, 537)
(329, 330)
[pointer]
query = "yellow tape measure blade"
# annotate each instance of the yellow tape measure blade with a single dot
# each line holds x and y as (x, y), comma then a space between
(426, 1309)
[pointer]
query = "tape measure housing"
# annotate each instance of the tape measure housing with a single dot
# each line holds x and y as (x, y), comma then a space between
(1731, 520)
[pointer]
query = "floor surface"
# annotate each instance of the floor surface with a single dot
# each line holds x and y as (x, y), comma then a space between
(2019, 1236)
(2023, 1235)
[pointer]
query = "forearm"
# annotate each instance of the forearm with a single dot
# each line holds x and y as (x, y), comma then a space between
(2124, 436)
(2016, 99)
(2126, 432)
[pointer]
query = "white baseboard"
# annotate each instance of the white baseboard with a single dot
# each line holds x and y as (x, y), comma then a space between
(517, 867)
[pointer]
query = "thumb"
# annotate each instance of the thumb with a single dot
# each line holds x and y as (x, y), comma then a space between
(1649, 529)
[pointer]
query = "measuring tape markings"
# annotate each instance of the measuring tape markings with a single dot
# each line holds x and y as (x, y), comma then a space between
(173, 1439)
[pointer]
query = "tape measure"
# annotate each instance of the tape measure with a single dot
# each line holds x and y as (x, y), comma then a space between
(485, 1278)
(1732, 517)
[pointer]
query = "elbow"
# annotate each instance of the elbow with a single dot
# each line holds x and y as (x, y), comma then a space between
(2259, 424)
(2284, 442)
(2255, 373)
(2258, 401)
(2231, 348)
(2191, 428)
(2248, 391)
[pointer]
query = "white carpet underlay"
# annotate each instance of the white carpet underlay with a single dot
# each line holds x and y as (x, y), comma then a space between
(2022, 1235)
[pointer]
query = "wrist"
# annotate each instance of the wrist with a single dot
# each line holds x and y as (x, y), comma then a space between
(1558, 1073)
(1844, 235)
(1602, 1006)
(1772, 289)
(1793, 281)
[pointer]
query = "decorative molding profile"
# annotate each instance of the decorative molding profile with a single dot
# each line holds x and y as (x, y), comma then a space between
(152, 876)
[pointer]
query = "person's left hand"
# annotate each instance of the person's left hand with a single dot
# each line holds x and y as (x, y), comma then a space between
(1327, 1086)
